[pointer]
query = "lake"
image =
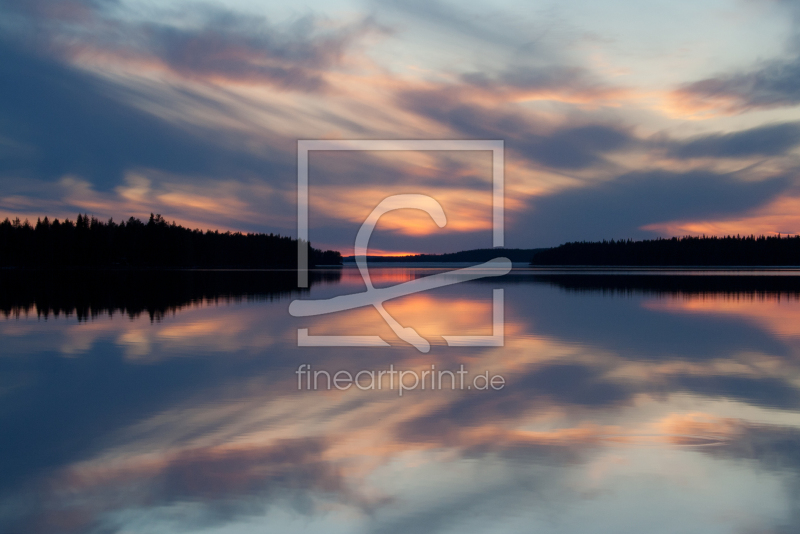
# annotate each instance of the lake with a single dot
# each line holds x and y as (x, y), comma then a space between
(620, 402)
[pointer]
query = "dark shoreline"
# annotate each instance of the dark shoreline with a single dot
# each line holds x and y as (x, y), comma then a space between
(780, 250)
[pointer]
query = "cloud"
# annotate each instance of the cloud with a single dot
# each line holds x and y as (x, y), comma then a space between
(767, 140)
(768, 84)
(238, 48)
(77, 123)
(530, 137)
(84, 141)
(773, 84)
(487, 29)
(781, 216)
(206, 42)
(554, 82)
(619, 208)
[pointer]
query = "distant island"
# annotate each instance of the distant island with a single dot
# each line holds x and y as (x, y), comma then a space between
(89, 242)
(677, 251)
(520, 255)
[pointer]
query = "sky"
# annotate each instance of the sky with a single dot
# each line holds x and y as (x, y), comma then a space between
(620, 119)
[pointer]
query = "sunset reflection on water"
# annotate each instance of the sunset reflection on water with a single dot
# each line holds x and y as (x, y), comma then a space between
(627, 411)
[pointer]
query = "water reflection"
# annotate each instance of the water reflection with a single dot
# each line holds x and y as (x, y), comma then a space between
(631, 404)
(88, 294)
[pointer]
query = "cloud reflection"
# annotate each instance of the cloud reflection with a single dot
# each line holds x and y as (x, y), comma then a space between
(225, 431)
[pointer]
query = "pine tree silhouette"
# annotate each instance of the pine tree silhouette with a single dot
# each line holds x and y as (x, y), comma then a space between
(683, 251)
(89, 242)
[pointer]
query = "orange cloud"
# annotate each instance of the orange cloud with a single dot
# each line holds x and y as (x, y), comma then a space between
(689, 105)
(781, 216)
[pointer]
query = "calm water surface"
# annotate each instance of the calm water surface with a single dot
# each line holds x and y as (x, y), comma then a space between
(650, 402)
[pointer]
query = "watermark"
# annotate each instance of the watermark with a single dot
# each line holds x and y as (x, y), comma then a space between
(375, 297)
(402, 380)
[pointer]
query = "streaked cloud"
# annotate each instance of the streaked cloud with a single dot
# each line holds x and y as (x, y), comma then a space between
(774, 84)
(528, 136)
(622, 207)
(764, 141)
(208, 42)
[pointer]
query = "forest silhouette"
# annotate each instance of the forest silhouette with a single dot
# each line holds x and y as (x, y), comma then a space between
(684, 251)
(89, 242)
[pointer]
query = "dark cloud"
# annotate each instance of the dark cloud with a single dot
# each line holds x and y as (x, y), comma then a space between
(530, 78)
(565, 147)
(767, 84)
(73, 122)
(211, 43)
(619, 208)
(555, 81)
(239, 48)
(772, 84)
(39, 15)
(769, 140)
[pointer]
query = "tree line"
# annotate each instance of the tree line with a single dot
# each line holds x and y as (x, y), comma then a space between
(89, 242)
(684, 251)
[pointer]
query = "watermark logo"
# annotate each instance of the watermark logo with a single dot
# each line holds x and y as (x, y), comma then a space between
(400, 380)
(375, 297)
